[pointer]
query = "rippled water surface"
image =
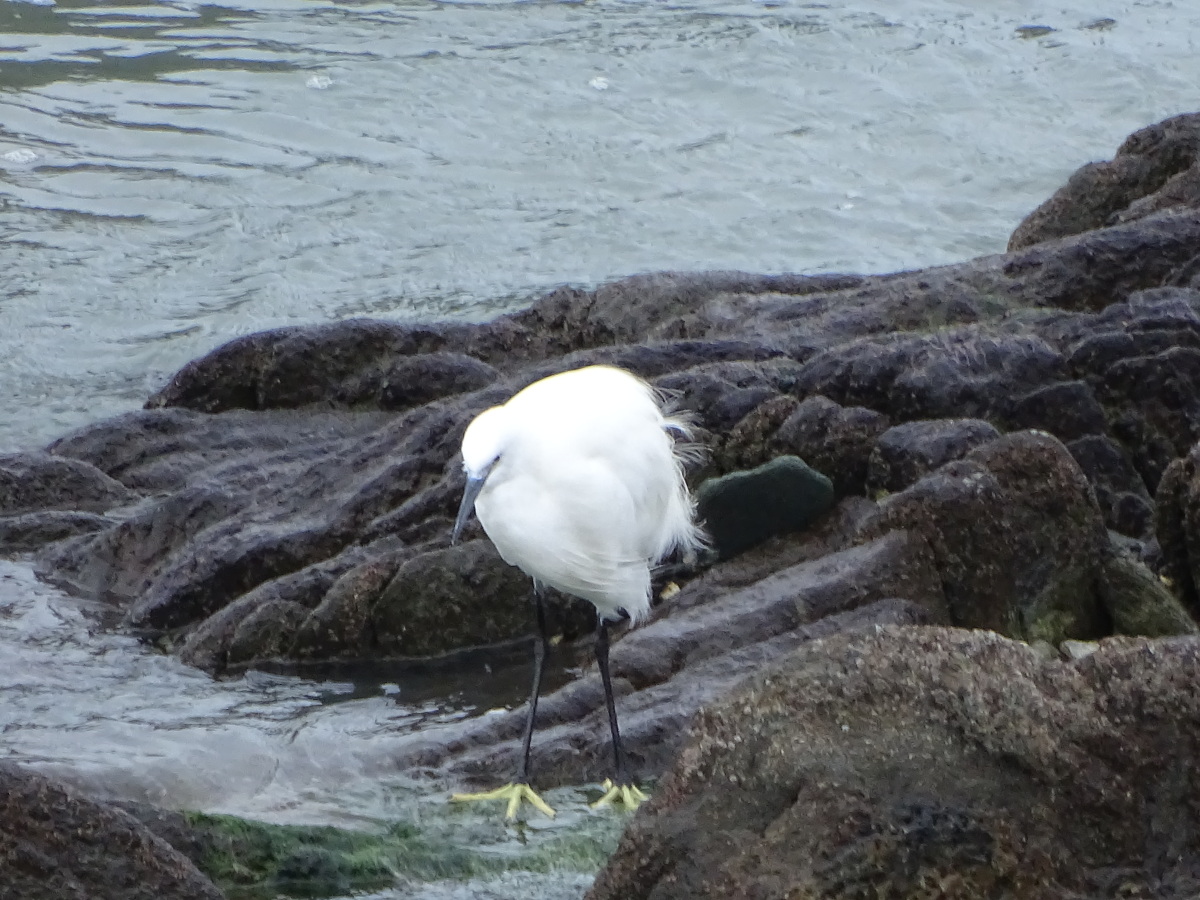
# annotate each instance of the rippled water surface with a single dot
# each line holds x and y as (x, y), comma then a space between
(175, 174)
(118, 719)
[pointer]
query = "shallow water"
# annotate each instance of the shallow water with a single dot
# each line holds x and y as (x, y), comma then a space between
(120, 720)
(175, 174)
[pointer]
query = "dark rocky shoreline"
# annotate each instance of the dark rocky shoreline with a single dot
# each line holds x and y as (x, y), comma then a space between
(1012, 447)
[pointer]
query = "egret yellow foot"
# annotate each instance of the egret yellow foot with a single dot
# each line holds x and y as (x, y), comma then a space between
(628, 794)
(514, 793)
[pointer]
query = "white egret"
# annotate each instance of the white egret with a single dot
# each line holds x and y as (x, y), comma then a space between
(578, 482)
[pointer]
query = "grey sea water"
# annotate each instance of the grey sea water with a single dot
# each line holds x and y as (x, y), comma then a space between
(175, 174)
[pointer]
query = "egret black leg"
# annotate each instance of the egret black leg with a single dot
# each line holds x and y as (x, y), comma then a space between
(622, 777)
(618, 789)
(519, 791)
(541, 644)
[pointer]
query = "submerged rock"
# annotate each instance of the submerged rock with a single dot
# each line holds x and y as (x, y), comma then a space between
(931, 762)
(259, 859)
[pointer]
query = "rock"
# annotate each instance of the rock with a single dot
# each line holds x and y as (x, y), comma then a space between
(1138, 356)
(751, 442)
(402, 605)
(1120, 490)
(265, 634)
(1165, 380)
(1131, 513)
(37, 482)
(462, 596)
(340, 625)
(905, 453)
(658, 306)
(916, 762)
(1139, 603)
(743, 509)
(20, 534)
(172, 826)
(416, 380)
(1095, 269)
(954, 374)
(262, 624)
(1017, 536)
(1177, 527)
(295, 366)
(164, 450)
(719, 396)
(1066, 409)
(1076, 650)
(733, 619)
(226, 528)
(56, 844)
(1154, 169)
(837, 440)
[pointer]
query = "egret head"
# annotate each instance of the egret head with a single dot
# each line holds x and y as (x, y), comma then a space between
(482, 446)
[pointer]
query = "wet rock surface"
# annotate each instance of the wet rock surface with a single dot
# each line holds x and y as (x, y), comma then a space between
(35, 482)
(932, 762)
(1017, 537)
(58, 845)
(1177, 524)
(726, 623)
(906, 452)
(1007, 443)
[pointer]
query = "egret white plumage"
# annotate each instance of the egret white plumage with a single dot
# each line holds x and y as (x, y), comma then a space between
(579, 483)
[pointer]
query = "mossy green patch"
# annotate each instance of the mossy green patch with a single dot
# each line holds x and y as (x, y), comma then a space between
(1063, 610)
(1139, 603)
(255, 860)
(742, 509)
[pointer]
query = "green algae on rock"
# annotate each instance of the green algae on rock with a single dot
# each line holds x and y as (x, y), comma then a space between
(253, 860)
(742, 509)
